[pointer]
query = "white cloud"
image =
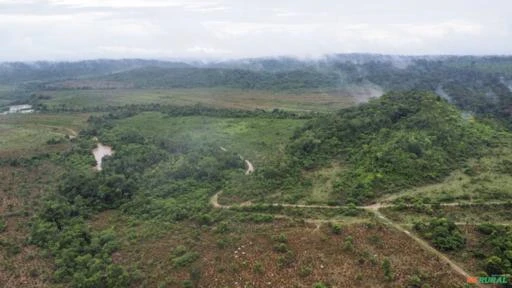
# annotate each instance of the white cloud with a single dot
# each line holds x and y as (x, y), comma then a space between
(5, 2)
(40, 29)
(35, 19)
(225, 29)
(137, 51)
(191, 5)
(133, 28)
(208, 50)
(442, 29)
(114, 3)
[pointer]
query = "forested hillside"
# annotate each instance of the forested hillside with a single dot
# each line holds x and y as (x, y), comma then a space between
(13, 73)
(400, 140)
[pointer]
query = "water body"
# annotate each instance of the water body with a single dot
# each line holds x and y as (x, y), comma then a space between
(99, 152)
(23, 109)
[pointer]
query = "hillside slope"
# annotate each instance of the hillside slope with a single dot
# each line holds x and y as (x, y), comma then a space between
(397, 141)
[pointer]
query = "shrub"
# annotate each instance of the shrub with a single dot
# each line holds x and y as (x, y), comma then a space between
(414, 281)
(2, 225)
(386, 267)
(286, 260)
(494, 265)
(281, 248)
(335, 228)
(348, 244)
(182, 257)
(280, 238)
(258, 268)
(305, 271)
(222, 243)
(486, 229)
(10, 247)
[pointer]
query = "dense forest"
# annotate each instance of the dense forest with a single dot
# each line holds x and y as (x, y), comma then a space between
(479, 85)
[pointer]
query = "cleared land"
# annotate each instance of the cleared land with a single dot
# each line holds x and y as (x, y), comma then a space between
(283, 253)
(255, 138)
(301, 100)
(30, 134)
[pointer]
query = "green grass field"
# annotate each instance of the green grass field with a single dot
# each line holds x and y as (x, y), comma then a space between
(255, 139)
(29, 133)
(311, 100)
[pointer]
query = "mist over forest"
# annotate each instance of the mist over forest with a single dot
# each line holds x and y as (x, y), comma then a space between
(477, 84)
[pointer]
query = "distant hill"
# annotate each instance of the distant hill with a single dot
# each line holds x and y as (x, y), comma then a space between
(158, 77)
(19, 72)
(479, 85)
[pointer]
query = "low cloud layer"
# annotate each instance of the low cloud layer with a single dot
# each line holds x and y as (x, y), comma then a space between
(201, 29)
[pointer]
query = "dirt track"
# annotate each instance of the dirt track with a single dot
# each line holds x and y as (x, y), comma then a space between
(250, 168)
(374, 208)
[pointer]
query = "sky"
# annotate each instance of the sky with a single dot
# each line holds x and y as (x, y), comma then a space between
(225, 29)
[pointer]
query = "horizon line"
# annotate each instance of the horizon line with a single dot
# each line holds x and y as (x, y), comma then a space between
(227, 59)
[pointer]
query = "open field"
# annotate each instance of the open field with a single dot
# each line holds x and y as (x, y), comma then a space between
(255, 139)
(29, 133)
(279, 254)
(308, 100)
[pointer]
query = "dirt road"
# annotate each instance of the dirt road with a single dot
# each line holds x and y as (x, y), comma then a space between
(214, 201)
(250, 168)
(425, 245)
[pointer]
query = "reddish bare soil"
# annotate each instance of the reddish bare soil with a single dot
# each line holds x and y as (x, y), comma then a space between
(21, 265)
(246, 257)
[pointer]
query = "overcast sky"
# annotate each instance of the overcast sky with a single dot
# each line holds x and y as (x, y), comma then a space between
(85, 29)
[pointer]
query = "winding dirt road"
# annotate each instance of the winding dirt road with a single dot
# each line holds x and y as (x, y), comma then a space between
(248, 164)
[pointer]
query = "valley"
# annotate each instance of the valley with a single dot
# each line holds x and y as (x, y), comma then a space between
(207, 177)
